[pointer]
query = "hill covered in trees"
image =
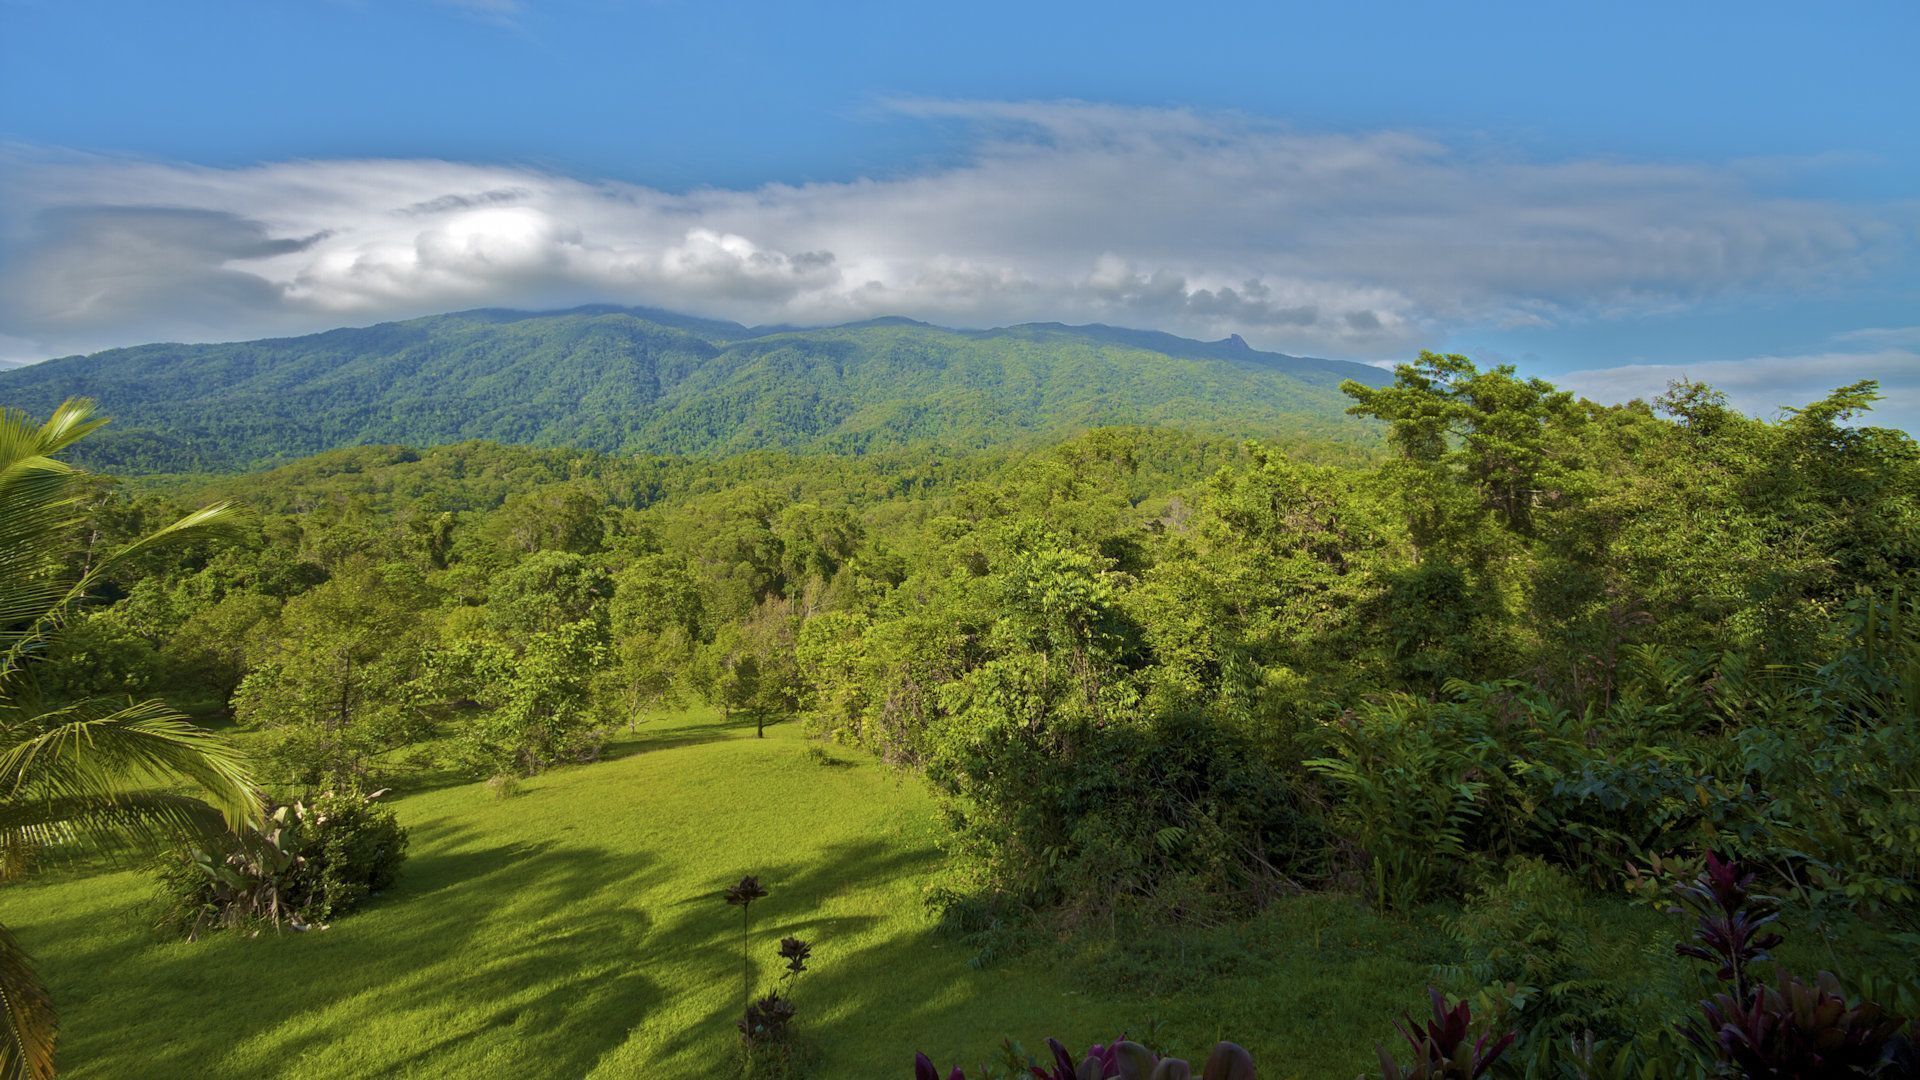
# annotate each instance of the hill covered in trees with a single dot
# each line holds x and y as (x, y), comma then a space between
(634, 380)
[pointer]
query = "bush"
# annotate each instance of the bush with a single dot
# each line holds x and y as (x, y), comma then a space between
(1444, 1048)
(1761, 1020)
(1171, 818)
(1541, 965)
(307, 864)
(355, 850)
(1410, 789)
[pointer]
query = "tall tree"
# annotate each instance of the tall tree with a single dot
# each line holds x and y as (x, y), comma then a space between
(656, 615)
(332, 675)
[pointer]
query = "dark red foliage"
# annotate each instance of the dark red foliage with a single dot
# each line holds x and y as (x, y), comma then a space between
(1788, 1030)
(1732, 921)
(1438, 1045)
(923, 1069)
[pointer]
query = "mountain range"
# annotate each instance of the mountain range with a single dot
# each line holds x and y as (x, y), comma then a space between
(641, 380)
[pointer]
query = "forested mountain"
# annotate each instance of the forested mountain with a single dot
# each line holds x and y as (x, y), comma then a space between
(620, 379)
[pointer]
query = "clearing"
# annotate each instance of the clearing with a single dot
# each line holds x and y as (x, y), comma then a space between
(576, 929)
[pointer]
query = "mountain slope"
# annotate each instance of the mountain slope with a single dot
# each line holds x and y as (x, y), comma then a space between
(623, 379)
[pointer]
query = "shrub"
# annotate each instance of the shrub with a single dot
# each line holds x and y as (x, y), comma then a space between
(1172, 816)
(1409, 793)
(819, 756)
(355, 850)
(503, 785)
(1544, 969)
(307, 863)
(1568, 1021)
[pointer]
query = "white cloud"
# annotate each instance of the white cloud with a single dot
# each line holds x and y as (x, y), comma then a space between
(1883, 335)
(1762, 386)
(1206, 224)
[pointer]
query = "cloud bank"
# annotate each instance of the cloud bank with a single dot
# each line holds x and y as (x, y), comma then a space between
(1762, 386)
(1359, 245)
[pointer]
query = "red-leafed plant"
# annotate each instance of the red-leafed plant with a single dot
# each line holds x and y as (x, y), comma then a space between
(1791, 1028)
(1444, 1047)
(1118, 1060)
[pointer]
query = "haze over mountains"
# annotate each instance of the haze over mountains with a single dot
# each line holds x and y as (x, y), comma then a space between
(642, 380)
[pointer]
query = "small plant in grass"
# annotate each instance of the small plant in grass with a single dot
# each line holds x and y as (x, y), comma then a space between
(818, 755)
(766, 1022)
(742, 894)
(503, 785)
(796, 953)
(768, 1018)
(1117, 1060)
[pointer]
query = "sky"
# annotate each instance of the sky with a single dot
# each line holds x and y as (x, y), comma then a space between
(1610, 196)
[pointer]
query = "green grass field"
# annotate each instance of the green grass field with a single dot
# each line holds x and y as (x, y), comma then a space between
(575, 929)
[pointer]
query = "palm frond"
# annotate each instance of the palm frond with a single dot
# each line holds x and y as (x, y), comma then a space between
(88, 775)
(27, 1024)
(27, 448)
(76, 827)
(40, 505)
(39, 607)
(86, 752)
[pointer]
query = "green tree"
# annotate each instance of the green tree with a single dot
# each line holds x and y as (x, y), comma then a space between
(738, 553)
(547, 590)
(333, 676)
(556, 517)
(534, 703)
(212, 643)
(814, 544)
(1513, 440)
(87, 773)
(656, 616)
(750, 667)
(97, 656)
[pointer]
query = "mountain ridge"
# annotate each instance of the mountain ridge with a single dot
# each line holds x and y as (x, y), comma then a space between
(639, 379)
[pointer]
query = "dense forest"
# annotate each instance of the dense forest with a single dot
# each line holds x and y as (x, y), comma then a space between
(637, 380)
(1520, 665)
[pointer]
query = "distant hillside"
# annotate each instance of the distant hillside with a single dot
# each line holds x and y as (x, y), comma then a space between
(625, 379)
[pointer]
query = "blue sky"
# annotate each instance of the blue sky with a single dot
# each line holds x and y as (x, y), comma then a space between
(1600, 193)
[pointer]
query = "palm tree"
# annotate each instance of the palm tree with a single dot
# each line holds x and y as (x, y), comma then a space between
(87, 775)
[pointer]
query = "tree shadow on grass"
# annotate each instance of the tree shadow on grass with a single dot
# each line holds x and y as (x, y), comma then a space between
(543, 958)
(627, 744)
(464, 944)
(706, 933)
(525, 959)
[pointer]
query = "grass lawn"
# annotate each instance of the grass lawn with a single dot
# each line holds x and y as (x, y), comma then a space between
(576, 929)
